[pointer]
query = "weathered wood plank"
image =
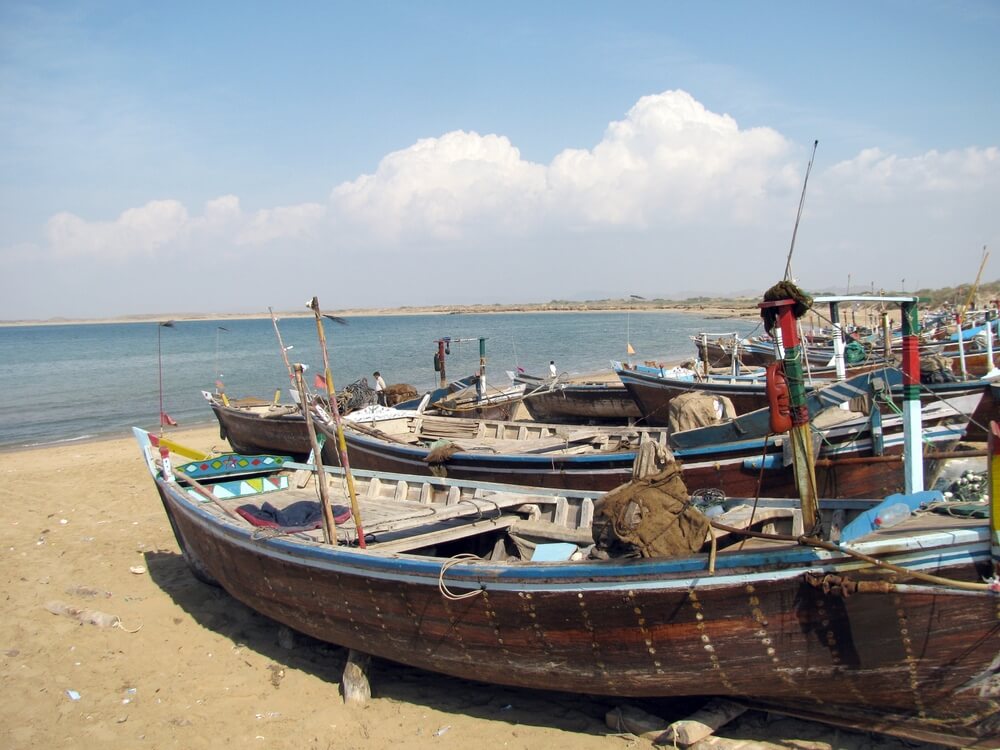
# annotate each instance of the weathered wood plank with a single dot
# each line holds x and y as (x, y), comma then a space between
(462, 530)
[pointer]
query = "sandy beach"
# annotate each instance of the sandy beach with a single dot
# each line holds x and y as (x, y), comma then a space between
(714, 309)
(189, 667)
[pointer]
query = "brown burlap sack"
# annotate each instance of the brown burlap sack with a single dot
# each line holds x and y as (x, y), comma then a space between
(650, 517)
(695, 409)
(933, 363)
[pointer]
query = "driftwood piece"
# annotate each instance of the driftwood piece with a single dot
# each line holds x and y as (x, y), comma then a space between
(702, 723)
(302, 476)
(723, 743)
(354, 682)
(632, 720)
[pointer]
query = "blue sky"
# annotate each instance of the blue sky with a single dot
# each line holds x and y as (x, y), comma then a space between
(195, 157)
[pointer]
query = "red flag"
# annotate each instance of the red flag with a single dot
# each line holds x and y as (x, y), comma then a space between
(167, 419)
(320, 382)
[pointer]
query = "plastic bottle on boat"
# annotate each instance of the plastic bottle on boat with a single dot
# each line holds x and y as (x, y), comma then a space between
(892, 515)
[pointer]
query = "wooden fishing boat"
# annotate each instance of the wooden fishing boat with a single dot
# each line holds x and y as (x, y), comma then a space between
(598, 398)
(495, 583)
(850, 463)
(760, 351)
(822, 606)
(653, 388)
(524, 453)
(653, 391)
(736, 459)
(257, 426)
(482, 401)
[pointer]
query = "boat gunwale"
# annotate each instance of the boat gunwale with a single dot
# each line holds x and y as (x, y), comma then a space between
(915, 551)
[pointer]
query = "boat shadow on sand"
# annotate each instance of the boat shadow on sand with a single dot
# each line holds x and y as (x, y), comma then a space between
(214, 609)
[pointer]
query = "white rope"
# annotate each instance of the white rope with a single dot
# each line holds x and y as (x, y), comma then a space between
(443, 588)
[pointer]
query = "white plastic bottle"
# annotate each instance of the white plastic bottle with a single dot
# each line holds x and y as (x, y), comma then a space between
(892, 515)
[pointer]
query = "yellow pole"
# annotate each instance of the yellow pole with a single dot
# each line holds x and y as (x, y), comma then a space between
(341, 442)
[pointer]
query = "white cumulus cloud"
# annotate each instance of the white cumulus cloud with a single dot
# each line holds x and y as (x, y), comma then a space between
(673, 195)
(437, 186)
(139, 230)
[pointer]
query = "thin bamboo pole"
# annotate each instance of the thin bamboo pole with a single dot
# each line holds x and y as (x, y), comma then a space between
(281, 345)
(329, 524)
(341, 442)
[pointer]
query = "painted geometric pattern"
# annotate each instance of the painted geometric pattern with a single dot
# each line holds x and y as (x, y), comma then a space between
(244, 488)
(233, 463)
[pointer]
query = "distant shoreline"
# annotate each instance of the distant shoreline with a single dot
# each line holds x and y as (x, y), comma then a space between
(707, 309)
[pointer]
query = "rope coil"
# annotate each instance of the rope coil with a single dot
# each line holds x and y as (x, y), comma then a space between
(450, 563)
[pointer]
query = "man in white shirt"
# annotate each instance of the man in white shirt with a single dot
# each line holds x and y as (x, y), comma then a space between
(379, 387)
(552, 368)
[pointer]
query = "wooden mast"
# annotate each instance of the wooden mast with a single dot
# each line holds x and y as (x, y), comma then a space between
(800, 434)
(912, 438)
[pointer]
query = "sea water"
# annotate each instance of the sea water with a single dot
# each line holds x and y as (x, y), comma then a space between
(62, 383)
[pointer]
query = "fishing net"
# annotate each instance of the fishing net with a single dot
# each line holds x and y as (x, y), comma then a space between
(854, 353)
(651, 517)
(784, 290)
(935, 368)
(356, 396)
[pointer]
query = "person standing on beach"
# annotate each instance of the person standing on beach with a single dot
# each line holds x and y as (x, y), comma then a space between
(552, 368)
(379, 387)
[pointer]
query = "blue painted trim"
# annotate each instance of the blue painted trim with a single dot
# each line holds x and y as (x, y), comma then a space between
(668, 574)
(865, 523)
(772, 461)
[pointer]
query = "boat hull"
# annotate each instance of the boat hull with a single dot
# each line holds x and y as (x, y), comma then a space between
(596, 403)
(250, 433)
(752, 629)
(597, 472)
(654, 393)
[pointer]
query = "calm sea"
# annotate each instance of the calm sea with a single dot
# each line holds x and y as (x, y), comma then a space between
(74, 382)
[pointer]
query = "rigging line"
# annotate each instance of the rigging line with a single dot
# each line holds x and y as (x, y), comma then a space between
(802, 200)
(808, 541)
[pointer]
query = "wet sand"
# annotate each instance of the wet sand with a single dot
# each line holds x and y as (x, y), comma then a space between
(189, 667)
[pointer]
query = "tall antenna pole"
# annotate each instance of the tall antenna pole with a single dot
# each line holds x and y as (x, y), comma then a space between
(217, 374)
(281, 345)
(802, 201)
(159, 367)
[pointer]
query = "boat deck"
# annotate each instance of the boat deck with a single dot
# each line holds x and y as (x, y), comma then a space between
(416, 514)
